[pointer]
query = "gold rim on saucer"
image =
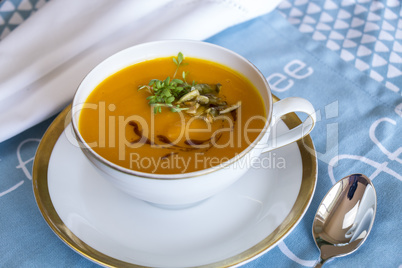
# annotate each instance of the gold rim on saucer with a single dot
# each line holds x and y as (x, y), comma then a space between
(44, 202)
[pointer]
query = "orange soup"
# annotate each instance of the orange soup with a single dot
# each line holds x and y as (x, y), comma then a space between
(216, 114)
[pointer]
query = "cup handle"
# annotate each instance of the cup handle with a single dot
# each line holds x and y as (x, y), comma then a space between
(285, 106)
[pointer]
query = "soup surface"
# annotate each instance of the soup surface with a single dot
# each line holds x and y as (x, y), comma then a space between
(119, 123)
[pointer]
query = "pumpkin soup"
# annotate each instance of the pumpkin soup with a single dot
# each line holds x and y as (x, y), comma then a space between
(168, 117)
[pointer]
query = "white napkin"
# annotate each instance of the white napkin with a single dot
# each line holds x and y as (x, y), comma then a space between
(43, 61)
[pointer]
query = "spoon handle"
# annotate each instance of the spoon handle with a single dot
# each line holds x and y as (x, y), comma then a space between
(319, 263)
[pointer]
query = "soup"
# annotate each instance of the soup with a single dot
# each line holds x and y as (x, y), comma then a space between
(131, 120)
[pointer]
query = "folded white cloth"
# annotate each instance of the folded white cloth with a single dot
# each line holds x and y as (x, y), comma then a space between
(45, 58)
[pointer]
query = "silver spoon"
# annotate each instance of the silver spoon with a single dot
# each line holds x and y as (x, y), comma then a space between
(345, 217)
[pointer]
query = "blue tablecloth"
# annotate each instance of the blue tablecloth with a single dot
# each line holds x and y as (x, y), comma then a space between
(345, 57)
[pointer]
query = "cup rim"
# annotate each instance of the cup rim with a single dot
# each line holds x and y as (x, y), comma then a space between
(87, 149)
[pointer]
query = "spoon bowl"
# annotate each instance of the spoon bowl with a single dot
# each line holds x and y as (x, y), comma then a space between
(345, 217)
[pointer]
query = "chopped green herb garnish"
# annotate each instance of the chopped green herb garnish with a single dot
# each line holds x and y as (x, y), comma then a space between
(178, 61)
(199, 100)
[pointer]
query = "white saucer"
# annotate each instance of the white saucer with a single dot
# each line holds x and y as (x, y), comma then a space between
(114, 229)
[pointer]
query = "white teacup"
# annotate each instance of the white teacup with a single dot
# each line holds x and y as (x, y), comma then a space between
(180, 190)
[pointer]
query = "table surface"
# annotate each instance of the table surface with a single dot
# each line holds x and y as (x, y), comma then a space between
(343, 56)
